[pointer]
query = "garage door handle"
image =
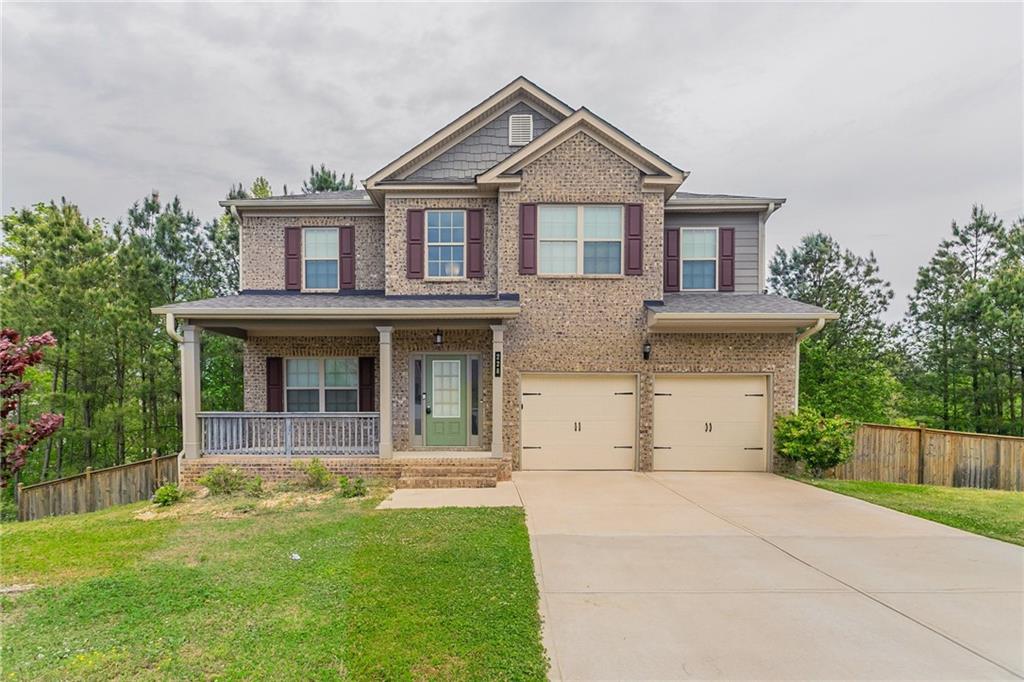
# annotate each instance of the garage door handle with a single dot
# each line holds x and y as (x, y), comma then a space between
(753, 395)
(708, 427)
(623, 447)
(531, 393)
(531, 447)
(657, 394)
(753, 448)
(662, 447)
(624, 393)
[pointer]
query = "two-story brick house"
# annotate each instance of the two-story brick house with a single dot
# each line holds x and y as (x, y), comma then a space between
(524, 289)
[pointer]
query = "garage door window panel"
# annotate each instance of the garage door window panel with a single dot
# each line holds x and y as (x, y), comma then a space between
(699, 259)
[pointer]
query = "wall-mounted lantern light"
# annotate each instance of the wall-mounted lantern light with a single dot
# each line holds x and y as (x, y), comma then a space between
(438, 338)
(647, 350)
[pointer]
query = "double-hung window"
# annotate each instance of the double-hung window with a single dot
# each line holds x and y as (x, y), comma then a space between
(446, 244)
(579, 240)
(320, 258)
(321, 385)
(699, 259)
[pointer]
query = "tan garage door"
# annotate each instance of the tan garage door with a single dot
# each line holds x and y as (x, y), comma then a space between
(710, 423)
(578, 421)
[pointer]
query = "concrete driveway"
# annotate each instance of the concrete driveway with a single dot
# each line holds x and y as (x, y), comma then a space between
(741, 576)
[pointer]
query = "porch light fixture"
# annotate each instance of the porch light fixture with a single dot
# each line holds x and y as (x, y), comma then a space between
(647, 350)
(438, 338)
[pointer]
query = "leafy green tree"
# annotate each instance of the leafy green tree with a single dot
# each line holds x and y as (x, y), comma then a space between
(844, 369)
(260, 188)
(325, 180)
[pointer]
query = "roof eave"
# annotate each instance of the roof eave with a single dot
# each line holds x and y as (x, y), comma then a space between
(303, 313)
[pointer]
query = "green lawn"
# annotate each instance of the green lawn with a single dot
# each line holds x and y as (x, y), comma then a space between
(997, 514)
(211, 591)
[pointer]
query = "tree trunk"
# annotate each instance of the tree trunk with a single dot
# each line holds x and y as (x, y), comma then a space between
(49, 441)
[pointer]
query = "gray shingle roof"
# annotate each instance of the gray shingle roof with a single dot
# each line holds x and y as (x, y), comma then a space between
(718, 303)
(694, 197)
(348, 195)
(329, 302)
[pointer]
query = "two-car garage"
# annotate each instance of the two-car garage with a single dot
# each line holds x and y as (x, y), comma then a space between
(709, 422)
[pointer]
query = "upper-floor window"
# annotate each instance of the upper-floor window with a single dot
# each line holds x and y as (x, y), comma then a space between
(321, 384)
(699, 259)
(579, 240)
(446, 244)
(320, 258)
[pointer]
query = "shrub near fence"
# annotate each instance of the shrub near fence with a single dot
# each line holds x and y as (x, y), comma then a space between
(97, 489)
(897, 454)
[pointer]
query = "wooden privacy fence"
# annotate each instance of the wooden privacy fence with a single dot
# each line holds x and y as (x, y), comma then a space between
(899, 454)
(97, 489)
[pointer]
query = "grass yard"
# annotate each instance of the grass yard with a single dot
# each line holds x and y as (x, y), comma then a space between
(996, 514)
(208, 589)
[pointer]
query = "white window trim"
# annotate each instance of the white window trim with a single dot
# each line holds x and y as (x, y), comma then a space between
(511, 143)
(683, 259)
(426, 244)
(337, 259)
(321, 386)
(581, 240)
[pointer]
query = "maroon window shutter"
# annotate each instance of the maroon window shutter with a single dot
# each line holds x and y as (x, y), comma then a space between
(726, 258)
(634, 239)
(347, 257)
(275, 385)
(366, 382)
(672, 259)
(293, 258)
(527, 239)
(414, 244)
(475, 243)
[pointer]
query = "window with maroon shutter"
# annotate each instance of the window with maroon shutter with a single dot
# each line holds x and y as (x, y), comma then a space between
(347, 257)
(414, 244)
(726, 258)
(672, 259)
(527, 239)
(475, 243)
(634, 239)
(293, 258)
(366, 382)
(275, 385)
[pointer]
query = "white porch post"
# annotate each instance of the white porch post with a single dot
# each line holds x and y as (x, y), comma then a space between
(191, 378)
(497, 399)
(385, 446)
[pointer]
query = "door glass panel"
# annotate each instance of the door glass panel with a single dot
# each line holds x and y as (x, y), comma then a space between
(447, 389)
(474, 396)
(417, 397)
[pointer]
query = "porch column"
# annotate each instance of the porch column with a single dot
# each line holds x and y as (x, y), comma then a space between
(385, 447)
(191, 378)
(497, 399)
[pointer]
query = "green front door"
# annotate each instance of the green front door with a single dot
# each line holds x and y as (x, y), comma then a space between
(446, 400)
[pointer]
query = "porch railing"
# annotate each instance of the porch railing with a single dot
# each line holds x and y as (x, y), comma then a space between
(289, 433)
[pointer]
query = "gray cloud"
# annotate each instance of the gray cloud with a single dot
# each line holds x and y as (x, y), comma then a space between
(880, 122)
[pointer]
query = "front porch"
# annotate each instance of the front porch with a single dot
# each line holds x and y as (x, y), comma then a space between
(416, 396)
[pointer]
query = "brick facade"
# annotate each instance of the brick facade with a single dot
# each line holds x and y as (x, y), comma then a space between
(261, 257)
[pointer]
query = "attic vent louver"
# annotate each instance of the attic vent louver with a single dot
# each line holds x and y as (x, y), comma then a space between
(520, 130)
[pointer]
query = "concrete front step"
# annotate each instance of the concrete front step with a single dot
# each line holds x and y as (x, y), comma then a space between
(447, 481)
(448, 472)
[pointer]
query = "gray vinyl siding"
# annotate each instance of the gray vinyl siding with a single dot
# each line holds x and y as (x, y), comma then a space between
(481, 150)
(745, 224)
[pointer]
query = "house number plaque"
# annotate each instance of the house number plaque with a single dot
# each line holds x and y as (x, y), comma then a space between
(497, 363)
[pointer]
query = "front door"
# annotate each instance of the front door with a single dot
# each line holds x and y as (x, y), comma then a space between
(446, 417)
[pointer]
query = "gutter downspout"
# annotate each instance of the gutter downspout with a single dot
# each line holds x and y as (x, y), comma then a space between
(169, 327)
(802, 336)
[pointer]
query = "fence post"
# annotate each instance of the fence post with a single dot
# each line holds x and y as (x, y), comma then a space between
(21, 501)
(921, 437)
(89, 497)
(156, 471)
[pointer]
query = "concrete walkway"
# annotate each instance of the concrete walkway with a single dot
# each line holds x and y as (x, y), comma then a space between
(753, 576)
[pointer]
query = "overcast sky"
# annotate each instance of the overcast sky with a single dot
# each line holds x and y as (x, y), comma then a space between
(880, 123)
